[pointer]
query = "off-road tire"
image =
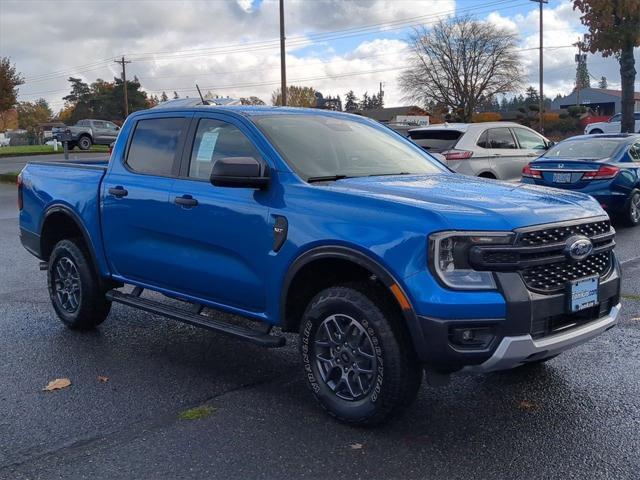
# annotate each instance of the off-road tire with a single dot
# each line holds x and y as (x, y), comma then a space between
(84, 142)
(397, 374)
(70, 262)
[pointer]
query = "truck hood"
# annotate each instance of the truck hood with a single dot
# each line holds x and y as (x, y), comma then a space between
(468, 203)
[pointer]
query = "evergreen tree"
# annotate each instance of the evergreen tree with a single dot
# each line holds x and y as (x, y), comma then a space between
(175, 95)
(366, 102)
(163, 97)
(603, 83)
(532, 96)
(582, 74)
(350, 102)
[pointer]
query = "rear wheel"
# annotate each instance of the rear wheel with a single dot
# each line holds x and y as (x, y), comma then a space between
(595, 131)
(358, 361)
(85, 142)
(632, 215)
(74, 288)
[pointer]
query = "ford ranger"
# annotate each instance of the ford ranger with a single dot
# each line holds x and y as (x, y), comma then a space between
(331, 225)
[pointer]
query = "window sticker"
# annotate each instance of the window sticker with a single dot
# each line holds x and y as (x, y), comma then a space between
(207, 146)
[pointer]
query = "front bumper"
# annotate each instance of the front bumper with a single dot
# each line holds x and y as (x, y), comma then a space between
(514, 351)
(534, 326)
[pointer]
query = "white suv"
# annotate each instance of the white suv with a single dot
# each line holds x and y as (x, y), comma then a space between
(490, 149)
(612, 125)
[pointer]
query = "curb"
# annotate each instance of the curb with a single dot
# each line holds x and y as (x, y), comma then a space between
(10, 177)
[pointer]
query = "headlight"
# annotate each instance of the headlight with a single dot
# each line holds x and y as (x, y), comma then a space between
(449, 257)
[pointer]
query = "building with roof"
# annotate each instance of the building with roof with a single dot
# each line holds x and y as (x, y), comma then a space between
(601, 100)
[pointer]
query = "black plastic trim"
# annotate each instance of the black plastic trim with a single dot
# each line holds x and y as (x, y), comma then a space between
(31, 241)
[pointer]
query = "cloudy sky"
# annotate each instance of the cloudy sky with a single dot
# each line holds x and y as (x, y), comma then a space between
(231, 47)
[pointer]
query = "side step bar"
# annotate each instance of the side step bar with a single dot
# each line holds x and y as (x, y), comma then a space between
(256, 337)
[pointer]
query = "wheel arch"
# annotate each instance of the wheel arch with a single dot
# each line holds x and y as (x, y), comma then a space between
(61, 222)
(347, 257)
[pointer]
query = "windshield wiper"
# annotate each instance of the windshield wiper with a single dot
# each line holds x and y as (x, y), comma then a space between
(389, 174)
(326, 178)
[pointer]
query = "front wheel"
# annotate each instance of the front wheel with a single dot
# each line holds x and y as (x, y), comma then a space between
(595, 131)
(74, 288)
(357, 358)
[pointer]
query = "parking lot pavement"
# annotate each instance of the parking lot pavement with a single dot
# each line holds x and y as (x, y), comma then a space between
(15, 164)
(576, 417)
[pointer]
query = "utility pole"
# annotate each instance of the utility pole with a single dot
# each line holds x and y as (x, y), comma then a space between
(541, 101)
(283, 66)
(124, 85)
(380, 94)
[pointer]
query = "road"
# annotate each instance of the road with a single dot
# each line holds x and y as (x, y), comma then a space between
(15, 164)
(576, 417)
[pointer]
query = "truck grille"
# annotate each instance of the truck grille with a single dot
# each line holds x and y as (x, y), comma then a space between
(553, 277)
(538, 254)
(561, 233)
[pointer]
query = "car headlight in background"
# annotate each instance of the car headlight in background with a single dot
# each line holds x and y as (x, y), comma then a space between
(449, 258)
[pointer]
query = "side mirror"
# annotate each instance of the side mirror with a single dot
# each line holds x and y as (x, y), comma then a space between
(239, 172)
(550, 144)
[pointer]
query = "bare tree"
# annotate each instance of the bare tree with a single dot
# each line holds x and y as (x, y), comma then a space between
(460, 62)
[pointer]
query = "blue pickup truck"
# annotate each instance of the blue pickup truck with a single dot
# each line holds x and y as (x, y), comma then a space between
(331, 225)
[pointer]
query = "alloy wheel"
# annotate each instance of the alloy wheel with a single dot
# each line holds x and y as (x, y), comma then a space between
(635, 208)
(345, 357)
(66, 284)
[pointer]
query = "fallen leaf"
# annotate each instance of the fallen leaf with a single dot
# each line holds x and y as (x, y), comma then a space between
(103, 379)
(356, 446)
(197, 413)
(528, 406)
(57, 384)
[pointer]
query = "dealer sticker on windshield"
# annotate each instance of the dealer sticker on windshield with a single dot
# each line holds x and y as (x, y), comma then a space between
(584, 293)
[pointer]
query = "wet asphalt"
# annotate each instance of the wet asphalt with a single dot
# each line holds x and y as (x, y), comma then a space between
(576, 417)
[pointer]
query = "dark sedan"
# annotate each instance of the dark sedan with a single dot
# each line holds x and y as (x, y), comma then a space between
(607, 167)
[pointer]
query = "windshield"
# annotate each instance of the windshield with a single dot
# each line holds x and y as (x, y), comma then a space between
(589, 149)
(318, 146)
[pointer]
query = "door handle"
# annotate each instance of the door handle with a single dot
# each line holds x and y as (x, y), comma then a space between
(118, 191)
(186, 201)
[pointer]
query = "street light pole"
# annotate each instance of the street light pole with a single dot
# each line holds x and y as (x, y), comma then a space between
(283, 67)
(541, 88)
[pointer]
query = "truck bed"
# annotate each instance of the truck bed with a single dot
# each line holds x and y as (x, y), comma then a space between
(72, 186)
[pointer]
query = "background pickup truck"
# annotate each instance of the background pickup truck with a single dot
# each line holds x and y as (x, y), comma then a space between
(88, 132)
(387, 263)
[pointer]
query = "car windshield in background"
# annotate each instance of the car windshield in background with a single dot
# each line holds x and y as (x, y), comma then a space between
(588, 149)
(320, 147)
(435, 140)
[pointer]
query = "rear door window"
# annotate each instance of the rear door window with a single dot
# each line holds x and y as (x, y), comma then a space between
(155, 146)
(436, 140)
(499, 138)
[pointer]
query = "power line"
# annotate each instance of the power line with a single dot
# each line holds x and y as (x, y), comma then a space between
(269, 44)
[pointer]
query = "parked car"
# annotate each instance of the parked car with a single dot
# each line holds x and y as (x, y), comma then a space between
(4, 140)
(495, 150)
(88, 132)
(607, 167)
(330, 225)
(613, 125)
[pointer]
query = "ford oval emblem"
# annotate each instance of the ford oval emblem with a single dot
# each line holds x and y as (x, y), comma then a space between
(578, 247)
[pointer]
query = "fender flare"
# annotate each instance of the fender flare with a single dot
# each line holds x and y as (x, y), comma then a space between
(58, 208)
(361, 259)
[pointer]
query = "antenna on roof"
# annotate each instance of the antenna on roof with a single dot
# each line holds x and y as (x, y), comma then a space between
(204, 102)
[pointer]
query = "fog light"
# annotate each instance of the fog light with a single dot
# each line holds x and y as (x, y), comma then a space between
(471, 337)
